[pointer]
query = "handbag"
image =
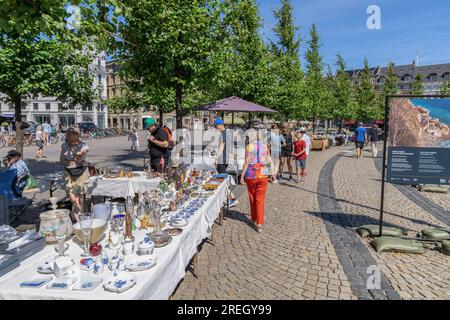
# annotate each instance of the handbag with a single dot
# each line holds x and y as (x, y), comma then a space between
(76, 171)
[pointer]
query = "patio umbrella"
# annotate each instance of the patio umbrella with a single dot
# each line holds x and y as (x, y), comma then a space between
(234, 104)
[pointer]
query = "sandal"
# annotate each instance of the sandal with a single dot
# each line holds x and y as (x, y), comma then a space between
(259, 228)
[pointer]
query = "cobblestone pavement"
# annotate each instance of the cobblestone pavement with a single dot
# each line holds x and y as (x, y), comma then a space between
(293, 258)
(357, 185)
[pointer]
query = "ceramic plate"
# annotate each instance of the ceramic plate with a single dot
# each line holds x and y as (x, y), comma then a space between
(179, 223)
(175, 231)
(36, 282)
(87, 284)
(62, 283)
(120, 283)
(141, 263)
(46, 267)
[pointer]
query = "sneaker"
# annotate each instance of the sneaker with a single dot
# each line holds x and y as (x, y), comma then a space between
(259, 228)
(233, 203)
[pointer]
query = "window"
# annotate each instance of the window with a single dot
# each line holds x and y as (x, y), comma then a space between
(47, 106)
(89, 108)
(432, 77)
(407, 77)
(35, 106)
(84, 109)
(0, 106)
(71, 107)
(24, 105)
(446, 76)
(11, 107)
(99, 78)
(99, 62)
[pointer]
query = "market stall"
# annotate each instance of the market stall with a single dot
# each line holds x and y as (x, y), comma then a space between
(139, 266)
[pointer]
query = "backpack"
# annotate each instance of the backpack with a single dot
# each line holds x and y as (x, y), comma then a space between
(169, 136)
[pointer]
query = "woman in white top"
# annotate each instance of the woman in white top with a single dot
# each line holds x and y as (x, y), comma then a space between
(73, 159)
(40, 139)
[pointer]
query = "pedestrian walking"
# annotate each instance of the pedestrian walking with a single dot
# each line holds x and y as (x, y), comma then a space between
(73, 158)
(222, 155)
(286, 151)
(276, 143)
(134, 138)
(158, 143)
(40, 142)
(256, 172)
(47, 131)
(360, 140)
(300, 155)
(374, 140)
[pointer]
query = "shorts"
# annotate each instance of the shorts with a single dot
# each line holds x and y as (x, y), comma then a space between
(360, 145)
(76, 185)
(286, 153)
(39, 144)
(301, 164)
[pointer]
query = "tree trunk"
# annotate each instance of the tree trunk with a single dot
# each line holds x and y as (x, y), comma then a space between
(18, 118)
(161, 116)
(314, 125)
(179, 105)
(341, 124)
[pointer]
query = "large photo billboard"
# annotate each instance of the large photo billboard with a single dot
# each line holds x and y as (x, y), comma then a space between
(419, 140)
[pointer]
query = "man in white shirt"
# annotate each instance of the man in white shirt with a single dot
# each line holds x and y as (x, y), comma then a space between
(307, 140)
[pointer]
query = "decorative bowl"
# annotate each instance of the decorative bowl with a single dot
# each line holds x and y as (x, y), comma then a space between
(97, 231)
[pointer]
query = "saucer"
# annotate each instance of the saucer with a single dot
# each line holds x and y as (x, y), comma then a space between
(141, 263)
(120, 283)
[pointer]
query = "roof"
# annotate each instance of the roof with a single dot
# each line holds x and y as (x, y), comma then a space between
(234, 104)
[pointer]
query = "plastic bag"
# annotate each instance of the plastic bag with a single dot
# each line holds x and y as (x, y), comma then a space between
(31, 183)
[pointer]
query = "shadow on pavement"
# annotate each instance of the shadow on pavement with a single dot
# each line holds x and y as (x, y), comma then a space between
(417, 221)
(349, 221)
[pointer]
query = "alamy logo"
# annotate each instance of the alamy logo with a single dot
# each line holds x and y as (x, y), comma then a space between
(374, 20)
(374, 279)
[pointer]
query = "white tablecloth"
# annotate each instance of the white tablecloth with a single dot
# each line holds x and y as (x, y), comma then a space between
(120, 187)
(158, 282)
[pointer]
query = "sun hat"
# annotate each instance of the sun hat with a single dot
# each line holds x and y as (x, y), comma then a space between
(218, 121)
(149, 122)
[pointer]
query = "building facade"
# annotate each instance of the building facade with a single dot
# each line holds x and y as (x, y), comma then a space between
(434, 77)
(42, 109)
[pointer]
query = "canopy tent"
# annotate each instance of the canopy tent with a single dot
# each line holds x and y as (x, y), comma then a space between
(234, 104)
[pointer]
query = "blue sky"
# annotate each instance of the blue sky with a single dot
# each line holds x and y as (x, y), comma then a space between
(406, 26)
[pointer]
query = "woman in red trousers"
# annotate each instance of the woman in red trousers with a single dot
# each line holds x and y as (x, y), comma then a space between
(256, 172)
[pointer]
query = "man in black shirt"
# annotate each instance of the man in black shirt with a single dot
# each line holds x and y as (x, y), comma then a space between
(158, 143)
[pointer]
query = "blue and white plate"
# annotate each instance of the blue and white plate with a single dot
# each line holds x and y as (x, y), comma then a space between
(62, 283)
(87, 284)
(36, 282)
(141, 263)
(120, 283)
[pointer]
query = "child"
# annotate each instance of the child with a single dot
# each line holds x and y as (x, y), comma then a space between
(133, 136)
(300, 155)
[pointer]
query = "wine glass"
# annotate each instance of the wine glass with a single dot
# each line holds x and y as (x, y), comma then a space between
(86, 226)
(61, 228)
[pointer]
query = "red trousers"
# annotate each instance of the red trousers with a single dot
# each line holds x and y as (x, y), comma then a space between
(257, 196)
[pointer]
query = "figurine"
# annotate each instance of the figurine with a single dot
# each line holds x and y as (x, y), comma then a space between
(145, 222)
(116, 238)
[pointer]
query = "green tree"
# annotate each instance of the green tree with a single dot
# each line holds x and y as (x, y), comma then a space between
(316, 91)
(286, 67)
(417, 85)
(40, 53)
(167, 44)
(366, 100)
(390, 82)
(342, 92)
(242, 61)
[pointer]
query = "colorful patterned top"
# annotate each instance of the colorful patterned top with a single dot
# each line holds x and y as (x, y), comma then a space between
(257, 156)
